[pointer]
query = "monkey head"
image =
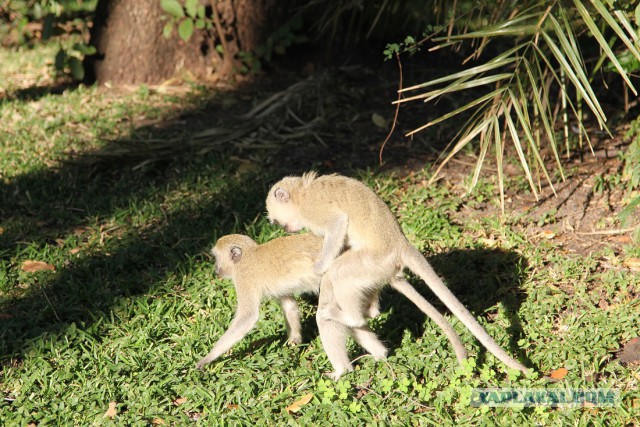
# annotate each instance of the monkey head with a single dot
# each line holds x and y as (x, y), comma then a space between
(228, 252)
(281, 209)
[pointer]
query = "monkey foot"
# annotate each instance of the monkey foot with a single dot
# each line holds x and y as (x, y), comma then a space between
(202, 363)
(293, 341)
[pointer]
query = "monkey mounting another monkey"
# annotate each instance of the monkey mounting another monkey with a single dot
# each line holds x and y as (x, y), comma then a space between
(283, 267)
(348, 214)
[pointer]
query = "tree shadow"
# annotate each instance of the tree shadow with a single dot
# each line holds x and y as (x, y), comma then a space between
(63, 203)
(34, 93)
(480, 278)
(42, 207)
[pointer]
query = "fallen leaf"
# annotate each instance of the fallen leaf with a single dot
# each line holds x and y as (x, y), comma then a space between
(74, 251)
(298, 404)
(621, 239)
(179, 401)
(630, 353)
(548, 234)
(490, 243)
(232, 406)
(158, 422)
(247, 167)
(112, 411)
(379, 121)
(33, 266)
(632, 263)
(559, 373)
(1, 231)
(592, 408)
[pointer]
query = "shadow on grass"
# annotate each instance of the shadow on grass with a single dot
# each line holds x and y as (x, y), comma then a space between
(34, 93)
(53, 206)
(50, 205)
(57, 205)
(63, 205)
(480, 278)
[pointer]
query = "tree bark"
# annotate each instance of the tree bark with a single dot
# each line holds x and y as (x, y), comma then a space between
(131, 49)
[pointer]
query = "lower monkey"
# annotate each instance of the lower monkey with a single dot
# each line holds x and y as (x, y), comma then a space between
(279, 269)
(283, 267)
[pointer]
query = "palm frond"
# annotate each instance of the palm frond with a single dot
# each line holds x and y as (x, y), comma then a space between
(515, 91)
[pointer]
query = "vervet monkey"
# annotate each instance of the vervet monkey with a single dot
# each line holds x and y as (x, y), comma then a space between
(283, 267)
(347, 213)
(279, 268)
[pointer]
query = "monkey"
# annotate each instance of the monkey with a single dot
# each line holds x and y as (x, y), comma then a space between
(279, 268)
(347, 213)
(284, 266)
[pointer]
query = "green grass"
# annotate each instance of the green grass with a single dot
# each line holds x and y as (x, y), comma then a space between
(133, 302)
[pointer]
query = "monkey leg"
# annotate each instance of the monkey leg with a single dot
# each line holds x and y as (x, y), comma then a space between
(240, 326)
(370, 342)
(333, 335)
(363, 335)
(356, 283)
(291, 313)
(334, 339)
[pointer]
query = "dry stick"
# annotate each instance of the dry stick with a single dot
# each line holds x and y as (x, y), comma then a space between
(49, 301)
(606, 232)
(218, 25)
(395, 118)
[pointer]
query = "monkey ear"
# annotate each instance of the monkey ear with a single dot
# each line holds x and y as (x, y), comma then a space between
(281, 195)
(236, 254)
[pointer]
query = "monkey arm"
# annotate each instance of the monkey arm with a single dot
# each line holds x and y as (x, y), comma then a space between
(334, 238)
(291, 312)
(245, 319)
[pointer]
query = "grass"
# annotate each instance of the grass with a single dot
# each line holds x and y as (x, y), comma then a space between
(133, 302)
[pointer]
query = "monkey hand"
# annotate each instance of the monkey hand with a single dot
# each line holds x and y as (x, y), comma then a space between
(202, 363)
(373, 311)
(320, 268)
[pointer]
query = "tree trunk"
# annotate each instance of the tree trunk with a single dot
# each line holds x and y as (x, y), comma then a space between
(131, 49)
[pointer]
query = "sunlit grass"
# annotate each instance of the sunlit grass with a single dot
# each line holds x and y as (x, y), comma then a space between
(133, 302)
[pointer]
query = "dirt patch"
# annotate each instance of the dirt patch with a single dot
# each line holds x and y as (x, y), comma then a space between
(581, 216)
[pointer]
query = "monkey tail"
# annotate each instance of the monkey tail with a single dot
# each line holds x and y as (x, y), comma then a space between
(405, 288)
(416, 262)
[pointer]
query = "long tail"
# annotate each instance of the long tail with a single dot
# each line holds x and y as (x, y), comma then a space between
(416, 262)
(405, 288)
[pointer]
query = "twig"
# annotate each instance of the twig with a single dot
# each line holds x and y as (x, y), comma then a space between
(49, 301)
(395, 118)
(606, 232)
(226, 58)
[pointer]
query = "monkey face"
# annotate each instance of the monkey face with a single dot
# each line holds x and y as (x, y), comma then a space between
(281, 211)
(221, 268)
